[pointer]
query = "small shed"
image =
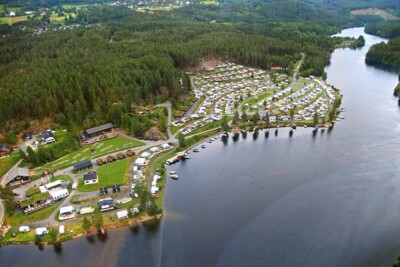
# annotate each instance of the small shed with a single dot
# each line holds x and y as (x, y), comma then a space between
(122, 214)
(80, 166)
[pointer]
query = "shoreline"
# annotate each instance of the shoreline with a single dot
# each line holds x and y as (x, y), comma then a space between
(129, 222)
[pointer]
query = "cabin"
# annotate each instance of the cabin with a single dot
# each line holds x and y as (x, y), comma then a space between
(5, 150)
(18, 176)
(83, 165)
(275, 66)
(90, 178)
(99, 130)
(35, 202)
(165, 146)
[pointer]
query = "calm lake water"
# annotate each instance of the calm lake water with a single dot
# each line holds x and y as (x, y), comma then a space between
(329, 199)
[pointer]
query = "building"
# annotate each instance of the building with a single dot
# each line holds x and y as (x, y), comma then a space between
(98, 130)
(83, 165)
(53, 185)
(90, 178)
(58, 193)
(47, 137)
(17, 177)
(5, 150)
(106, 204)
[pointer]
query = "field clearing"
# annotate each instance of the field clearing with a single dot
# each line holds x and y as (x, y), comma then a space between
(209, 2)
(2, 9)
(91, 151)
(12, 20)
(109, 174)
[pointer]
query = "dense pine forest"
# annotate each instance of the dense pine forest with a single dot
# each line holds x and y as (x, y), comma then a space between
(118, 58)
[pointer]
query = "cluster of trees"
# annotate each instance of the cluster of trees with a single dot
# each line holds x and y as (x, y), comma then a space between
(44, 155)
(8, 196)
(385, 54)
(384, 29)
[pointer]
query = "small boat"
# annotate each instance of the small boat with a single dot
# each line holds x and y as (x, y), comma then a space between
(341, 117)
(203, 146)
(102, 231)
(174, 176)
(294, 126)
(186, 157)
(172, 172)
(305, 126)
(195, 150)
(155, 196)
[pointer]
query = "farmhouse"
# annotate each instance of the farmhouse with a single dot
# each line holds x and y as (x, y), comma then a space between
(90, 178)
(5, 150)
(98, 130)
(80, 166)
(17, 177)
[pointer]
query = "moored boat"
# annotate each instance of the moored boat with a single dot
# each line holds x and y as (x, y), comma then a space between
(174, 176)
(172, 172)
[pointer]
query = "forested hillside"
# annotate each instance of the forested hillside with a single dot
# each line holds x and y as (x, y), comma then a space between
(385, 54)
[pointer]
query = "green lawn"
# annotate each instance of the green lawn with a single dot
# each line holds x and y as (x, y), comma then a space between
(300, 84)
(20, 218)
(7, 163)
(109, 174)
(12, 20)
(101, 148)
(2, 9)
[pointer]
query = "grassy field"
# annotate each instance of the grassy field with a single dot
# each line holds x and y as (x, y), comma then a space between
(2, 9)
(69, 6)
(12, 20)
(20, 218)
(7, 163)
(300, 84)
(101, 148)
(209, 2)
(110, 174)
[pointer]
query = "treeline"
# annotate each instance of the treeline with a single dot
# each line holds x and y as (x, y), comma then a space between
(384, 29)
(385, 54)
(48, 154)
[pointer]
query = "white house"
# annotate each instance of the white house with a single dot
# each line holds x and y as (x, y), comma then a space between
(66, 213)
(12, 14)
(90, 178)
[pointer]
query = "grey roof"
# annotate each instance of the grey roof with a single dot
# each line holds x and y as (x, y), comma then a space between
(90, 176)
(16, 172)
(83, 165)
(100, 128)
